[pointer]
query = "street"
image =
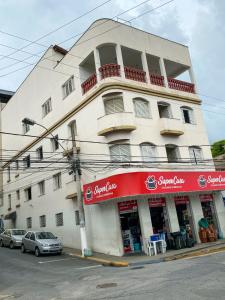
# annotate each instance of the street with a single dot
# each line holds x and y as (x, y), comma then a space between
(24, 276)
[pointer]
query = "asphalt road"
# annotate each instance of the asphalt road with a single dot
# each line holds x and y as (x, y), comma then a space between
(26, 277)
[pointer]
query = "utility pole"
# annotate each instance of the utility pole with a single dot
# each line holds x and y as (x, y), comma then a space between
(75, 166)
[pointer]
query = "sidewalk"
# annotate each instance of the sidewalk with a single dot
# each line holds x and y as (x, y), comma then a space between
(140, 259)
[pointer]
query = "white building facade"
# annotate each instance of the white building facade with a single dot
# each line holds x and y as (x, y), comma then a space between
(116, 92)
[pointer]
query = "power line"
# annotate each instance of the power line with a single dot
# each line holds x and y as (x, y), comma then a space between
(51, 32)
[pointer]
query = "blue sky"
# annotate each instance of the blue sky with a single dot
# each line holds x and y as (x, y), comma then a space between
(196, 23)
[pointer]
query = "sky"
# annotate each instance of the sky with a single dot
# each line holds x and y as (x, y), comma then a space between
(199, 24)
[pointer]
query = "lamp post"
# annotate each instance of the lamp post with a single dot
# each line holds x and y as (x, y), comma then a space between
(75, 166)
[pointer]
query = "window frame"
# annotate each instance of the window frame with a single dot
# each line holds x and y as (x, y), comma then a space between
(18, 195)
(28, 195)
(190, 111)
(26, 162)
(42, 221)
(56, 219)
(57, 181)
(46, 107)
(145, 157)
(176, 148)
(66, 85)
(112, 99)
(55, 142)
(120, 157)
(29, 219)
(26, 127)
(168, 105)
(39, 153)
(41, 188)
(193, 158)
(142, 101)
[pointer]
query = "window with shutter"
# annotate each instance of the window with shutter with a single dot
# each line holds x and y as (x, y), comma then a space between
(120, 152)
(42, 220)
(114, 105)
(187, 115)
(59, 219)
(141, 108)
(148, 152)
(195, 154)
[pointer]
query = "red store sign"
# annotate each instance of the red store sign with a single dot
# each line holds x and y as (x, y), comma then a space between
(206, 197)
(127, 206)
(152, 183)
(181, 200)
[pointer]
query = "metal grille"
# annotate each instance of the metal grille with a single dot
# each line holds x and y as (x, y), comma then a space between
(141, 108)
(29, 222)
(114, 105)
(148, 152)
(77, 217)
(59, 219)
(120, 152)
(43, 221)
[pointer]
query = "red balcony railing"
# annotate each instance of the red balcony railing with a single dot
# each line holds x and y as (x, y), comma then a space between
(181, 85)
(109, 70)
(157, 79)
(135, 74)
(89, 83)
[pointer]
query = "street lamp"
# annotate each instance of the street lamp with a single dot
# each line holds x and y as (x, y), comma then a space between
(75, 163)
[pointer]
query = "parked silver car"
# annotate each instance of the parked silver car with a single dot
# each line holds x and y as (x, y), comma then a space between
(41, 242)
(12, 238)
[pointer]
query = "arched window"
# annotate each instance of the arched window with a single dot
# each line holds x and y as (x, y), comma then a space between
(120, 151)
(148, 152)
(173, 153)
(164, 110)
(195, 154)
(113, 103)
(187, 114)
(141, 108)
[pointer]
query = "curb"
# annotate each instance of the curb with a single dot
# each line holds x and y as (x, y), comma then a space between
(104, 262)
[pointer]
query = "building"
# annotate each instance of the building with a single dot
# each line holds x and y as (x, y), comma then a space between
(138, 129)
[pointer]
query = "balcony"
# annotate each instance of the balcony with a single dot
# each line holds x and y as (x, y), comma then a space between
(71, 192)
(89, 83)
(135, 74)
(109, 70)
(121, 121)
(181, 85)
(157, 79)
(171, 127)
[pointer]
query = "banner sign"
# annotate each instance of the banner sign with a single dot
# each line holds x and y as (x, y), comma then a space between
(127, 206)
(157, 202)
(206, 197)
(181, 200)
(152, 183)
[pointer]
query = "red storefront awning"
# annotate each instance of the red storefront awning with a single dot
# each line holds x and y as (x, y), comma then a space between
(152, 183)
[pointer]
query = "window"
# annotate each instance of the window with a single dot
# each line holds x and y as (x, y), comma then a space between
(39, 153)
(26, 128)
(17, 165)
(26, 161)
(42, 220)
(57, 182)
(55, 142)
(195, 154)
(173, 153)
(28, 193)
(32, 237)
(114, 104)
(18, 195)
(59, 219)
(164, 110)
(41, 186)
(9, 201)
(46, 107)
(77, 217)
(148, 152)
(187, 115)
(72, 126)
(120, 152)
(141, 108)
(29, 223)
(9, 173)
(68, 87)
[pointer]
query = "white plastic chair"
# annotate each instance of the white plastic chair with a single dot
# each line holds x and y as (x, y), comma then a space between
(150, 247)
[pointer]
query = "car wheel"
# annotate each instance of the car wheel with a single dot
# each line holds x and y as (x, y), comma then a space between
(23, 250)
(1, 243)
(60, 253)
(37, 252)
(11, 246)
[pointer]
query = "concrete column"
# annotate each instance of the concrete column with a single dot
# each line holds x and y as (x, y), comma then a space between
(145, 221)
(197, 213)
(97, 63)
(220, 211)
(163, 71)
(120, 60)
(145, 66)
(192, 77)
(172, 214)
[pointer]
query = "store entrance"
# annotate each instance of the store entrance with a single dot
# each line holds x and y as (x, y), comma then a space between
(208, 209)
(184, 215)
(130, 226)
(158, 214)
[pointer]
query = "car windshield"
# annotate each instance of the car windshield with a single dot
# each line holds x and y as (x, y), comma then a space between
(45, 235)
(18, 232)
